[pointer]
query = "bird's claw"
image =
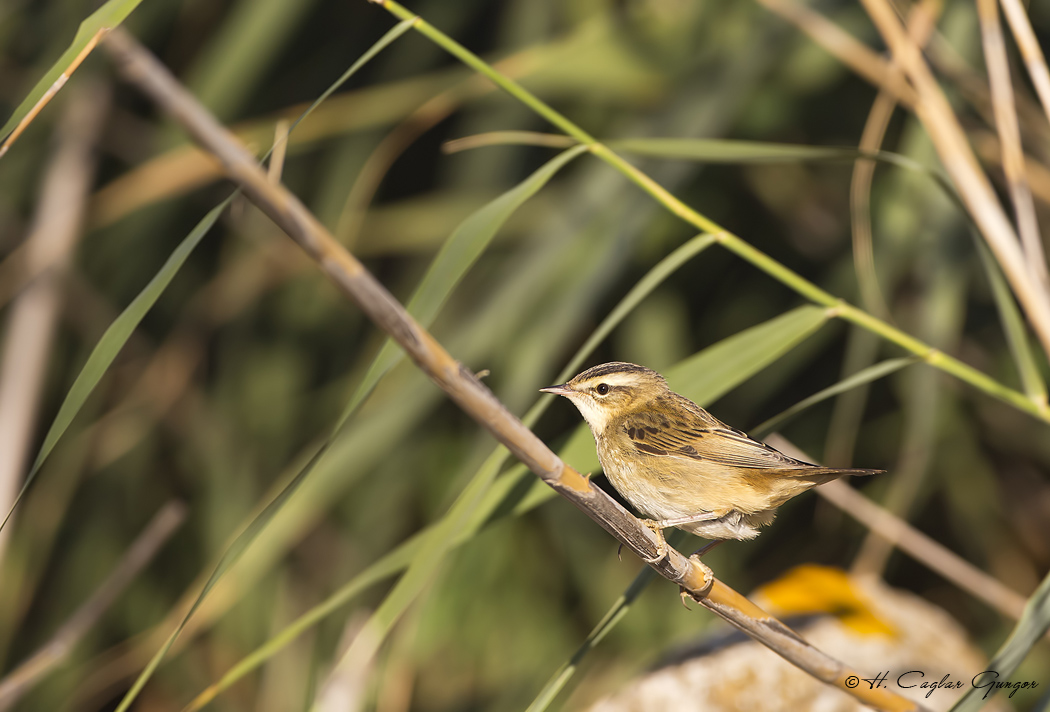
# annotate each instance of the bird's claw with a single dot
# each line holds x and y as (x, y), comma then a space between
(709, 578)
(709, 575)
(661, 543)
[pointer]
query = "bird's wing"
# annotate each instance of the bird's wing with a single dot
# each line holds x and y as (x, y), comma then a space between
(732, 447)
(707, 440)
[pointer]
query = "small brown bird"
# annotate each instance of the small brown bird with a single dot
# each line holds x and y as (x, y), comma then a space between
(676, 463)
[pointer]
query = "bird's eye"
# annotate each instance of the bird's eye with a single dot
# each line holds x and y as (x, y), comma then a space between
(602, 389)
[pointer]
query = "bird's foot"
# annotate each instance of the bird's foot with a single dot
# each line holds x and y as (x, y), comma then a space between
(709, 575)
(661, 543)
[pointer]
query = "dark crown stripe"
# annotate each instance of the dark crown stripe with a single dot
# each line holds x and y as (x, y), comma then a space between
(616, 367)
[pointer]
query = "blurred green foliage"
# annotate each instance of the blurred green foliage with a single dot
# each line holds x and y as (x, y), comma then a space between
(258, 355)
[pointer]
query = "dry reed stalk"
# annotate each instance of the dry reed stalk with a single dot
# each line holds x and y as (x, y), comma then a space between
(140, 68)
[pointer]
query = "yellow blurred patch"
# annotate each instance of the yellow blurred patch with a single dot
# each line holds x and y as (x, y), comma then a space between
(810, 589)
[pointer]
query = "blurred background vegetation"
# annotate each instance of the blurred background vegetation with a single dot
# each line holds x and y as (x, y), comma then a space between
(238, 373)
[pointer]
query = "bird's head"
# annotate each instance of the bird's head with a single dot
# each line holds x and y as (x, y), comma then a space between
(611, 390)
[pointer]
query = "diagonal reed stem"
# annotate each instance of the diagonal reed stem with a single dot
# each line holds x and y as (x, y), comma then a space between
(139, 67)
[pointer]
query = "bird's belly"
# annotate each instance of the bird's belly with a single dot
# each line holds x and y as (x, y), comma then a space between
(734, 525)
(646, 493)
(666, 493)
(672, 497)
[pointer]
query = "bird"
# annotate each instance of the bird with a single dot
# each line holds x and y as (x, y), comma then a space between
(677, 464)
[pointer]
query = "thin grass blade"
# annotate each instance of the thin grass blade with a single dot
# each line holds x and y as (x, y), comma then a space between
(244, 540)
(708, 150)
(714, 150)
(718, 369)
(504, 497)
(112, 342)
(733, 151)
(614, 615)
(703, 377)
(423, 569)
(457, 255)
(108, 16)
(1013, 327)
(867, 375)
(1034, 623)
(394, 32)
(652, 279)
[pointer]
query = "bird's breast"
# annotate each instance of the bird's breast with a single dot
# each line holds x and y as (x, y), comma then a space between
(651, 491)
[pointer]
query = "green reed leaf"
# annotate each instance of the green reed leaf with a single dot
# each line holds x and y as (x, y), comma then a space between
(112, 342)
(392, 34)
(710, 150)
(108, 16)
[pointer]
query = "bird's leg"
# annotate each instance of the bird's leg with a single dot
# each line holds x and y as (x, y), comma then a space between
(661, 544)
(657, 527)
(695, 558)
(678, 521)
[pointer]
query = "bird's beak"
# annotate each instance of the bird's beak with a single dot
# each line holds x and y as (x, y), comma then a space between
(562, 390)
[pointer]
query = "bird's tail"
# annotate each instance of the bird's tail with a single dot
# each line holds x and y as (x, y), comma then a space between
(856, 472)
(820, 475)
